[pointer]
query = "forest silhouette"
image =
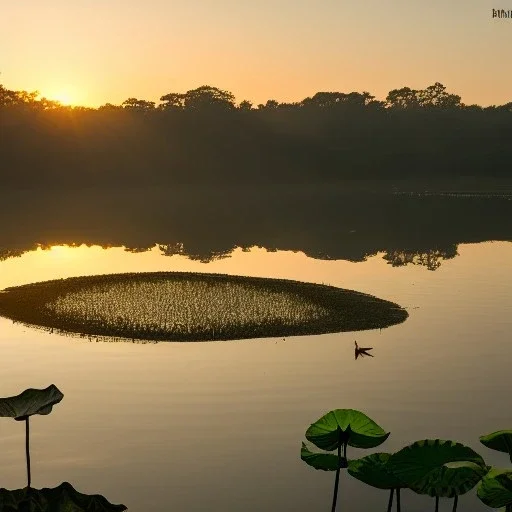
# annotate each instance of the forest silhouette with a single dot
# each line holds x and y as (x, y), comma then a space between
(204, 137)
(200, 175)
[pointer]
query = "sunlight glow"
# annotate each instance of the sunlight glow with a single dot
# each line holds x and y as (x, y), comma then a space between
(60, 252)
(67, 96)
(62, 97)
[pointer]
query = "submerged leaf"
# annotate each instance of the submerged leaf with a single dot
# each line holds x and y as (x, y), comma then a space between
(492, 490)
(374, 470)
(500, 441)
(357, 429)
(323, 461)
(30, 402)
(59, 499)
(438, 468)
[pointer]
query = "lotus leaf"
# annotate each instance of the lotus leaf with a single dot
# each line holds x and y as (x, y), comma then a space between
(324, 461)
(30, 402)
(357, 430)
(500, 441)
(492, 490)
(438, 468)
(373, 470)
(59, 499)
(505, 479)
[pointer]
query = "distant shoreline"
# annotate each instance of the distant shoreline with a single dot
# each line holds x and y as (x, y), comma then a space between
(475, 186)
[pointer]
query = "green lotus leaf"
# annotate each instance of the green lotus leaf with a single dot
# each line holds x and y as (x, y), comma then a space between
(500, 441)
(438, 468)
(349, 425)
(505, 479)
(63, 498)
(373, 470)
(30, 402)
(491, 490)
(323, 461)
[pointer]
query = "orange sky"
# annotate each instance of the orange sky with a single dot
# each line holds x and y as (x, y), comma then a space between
(96, 51)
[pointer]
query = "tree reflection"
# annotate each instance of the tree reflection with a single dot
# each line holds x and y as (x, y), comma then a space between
(430, 258)
(331, 223)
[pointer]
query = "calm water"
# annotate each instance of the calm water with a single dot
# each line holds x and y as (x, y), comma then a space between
(218, 426)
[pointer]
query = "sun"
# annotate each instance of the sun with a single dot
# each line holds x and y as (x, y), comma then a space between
(63, 97)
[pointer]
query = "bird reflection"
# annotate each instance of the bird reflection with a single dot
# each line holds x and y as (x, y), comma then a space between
(362, 351)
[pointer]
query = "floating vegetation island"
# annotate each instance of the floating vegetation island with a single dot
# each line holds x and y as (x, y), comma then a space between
(178, 306)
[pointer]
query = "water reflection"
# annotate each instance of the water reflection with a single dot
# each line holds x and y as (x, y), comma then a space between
(149, 403)
(206, 225)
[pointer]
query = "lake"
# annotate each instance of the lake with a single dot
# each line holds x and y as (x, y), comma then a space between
(219, 425)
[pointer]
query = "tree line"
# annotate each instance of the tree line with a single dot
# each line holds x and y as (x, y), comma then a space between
(204, 136)
(206, 97)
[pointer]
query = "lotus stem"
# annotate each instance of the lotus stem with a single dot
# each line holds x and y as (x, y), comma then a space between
(437, 503)
(398, 499)
(337, 480)
(27, 449)
(390, 502)
(455, 501)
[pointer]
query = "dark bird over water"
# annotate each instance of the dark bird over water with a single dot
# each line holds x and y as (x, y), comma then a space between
(362, 351)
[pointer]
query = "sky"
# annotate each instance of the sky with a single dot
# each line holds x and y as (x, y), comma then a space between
(91, 52)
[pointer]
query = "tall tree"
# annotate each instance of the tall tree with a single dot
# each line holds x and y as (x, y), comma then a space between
(334, 99)
(9, 98)
(138, 105)
(245, 105)
(270, 104)
(403, 98)
(206, 97)
(172, 100)
(436, 96)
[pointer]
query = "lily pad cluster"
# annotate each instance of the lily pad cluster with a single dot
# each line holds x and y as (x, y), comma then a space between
(434, 467)
(62, 498)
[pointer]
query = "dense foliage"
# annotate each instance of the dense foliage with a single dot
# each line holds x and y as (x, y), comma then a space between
(203, 136)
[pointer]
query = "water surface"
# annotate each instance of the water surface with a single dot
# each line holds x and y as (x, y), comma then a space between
(218, 426)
